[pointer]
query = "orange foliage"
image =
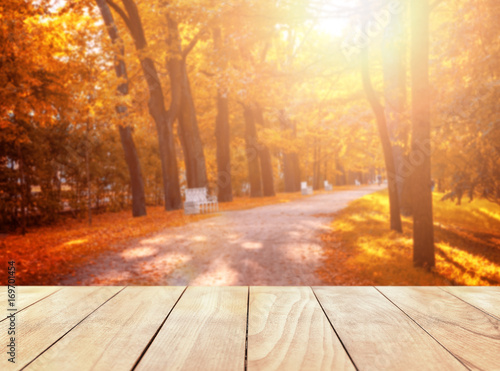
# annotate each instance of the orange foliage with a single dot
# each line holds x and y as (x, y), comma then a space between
(48, 253)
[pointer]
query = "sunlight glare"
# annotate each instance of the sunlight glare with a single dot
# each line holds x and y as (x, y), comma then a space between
(333, 26)
(251, 245)
(139, 252)
(76, 242)
(329, 19)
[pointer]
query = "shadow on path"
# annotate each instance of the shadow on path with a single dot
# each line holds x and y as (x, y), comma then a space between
(270, 245)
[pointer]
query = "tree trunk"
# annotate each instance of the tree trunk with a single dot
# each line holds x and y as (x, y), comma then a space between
(128, 145)
(440, 185)
(395, 97)
(317, 165)
(22, 185)
(156, 105)
(291, 172)
(192, 146)
(222, 137)
(225, 190)
(340, 177)
(196, 173)
(252, 152)
(294, 157)
(87, 165)
(266, 164)
(378, 110)
(134, 168)
(326, 169)
(267, 171)
(291, 169)
(423, 232)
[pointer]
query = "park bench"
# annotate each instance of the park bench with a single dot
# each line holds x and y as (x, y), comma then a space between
(305, 189)
(198, 201)
(245, 188)
(328, 186)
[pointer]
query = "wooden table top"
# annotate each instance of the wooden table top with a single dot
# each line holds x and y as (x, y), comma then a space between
(254, 328)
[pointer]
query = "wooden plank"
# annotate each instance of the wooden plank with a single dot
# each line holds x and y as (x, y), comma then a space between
(205, 331)
(377, 335)
(27, 295)
(114, 336)
(484, 298)
(288, 330)
(40, 325)
(471, 335)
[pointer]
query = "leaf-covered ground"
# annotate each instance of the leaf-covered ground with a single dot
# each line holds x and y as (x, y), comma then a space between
(47, 253)
(360, 250)
(276, 244)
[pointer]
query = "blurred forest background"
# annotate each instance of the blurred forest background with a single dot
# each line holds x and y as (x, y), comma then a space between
(282, 65)
(110, 105)
(113, 105)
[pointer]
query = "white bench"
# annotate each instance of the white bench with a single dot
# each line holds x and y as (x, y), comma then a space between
(328, 186)
(198, 201)
(305, 189)
(245, 188)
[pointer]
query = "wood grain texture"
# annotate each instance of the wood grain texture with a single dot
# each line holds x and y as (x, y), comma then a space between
(206, 330)
(484, 298)
(114, 336)
(40, 325)
(101, 328)
(26, 295)
(471, 335)
(288, 330)
(379, 336)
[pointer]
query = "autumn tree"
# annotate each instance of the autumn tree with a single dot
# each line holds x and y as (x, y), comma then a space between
(423, 229)
(163, 119)
(222, 129)
(55, 141)
(291, 167)
(466, 155)
(259, 157)
(192, 145)
(252, 152)
(394, 72)
(266, 164)
(378, 110)
(131, 156)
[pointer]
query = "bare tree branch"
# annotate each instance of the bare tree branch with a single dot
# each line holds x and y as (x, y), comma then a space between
(121, 13)
(193, 42)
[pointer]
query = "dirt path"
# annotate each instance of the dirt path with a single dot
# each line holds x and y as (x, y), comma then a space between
(270, 245)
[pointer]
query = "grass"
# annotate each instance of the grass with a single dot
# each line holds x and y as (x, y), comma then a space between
(361, 250)
(45, 254)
